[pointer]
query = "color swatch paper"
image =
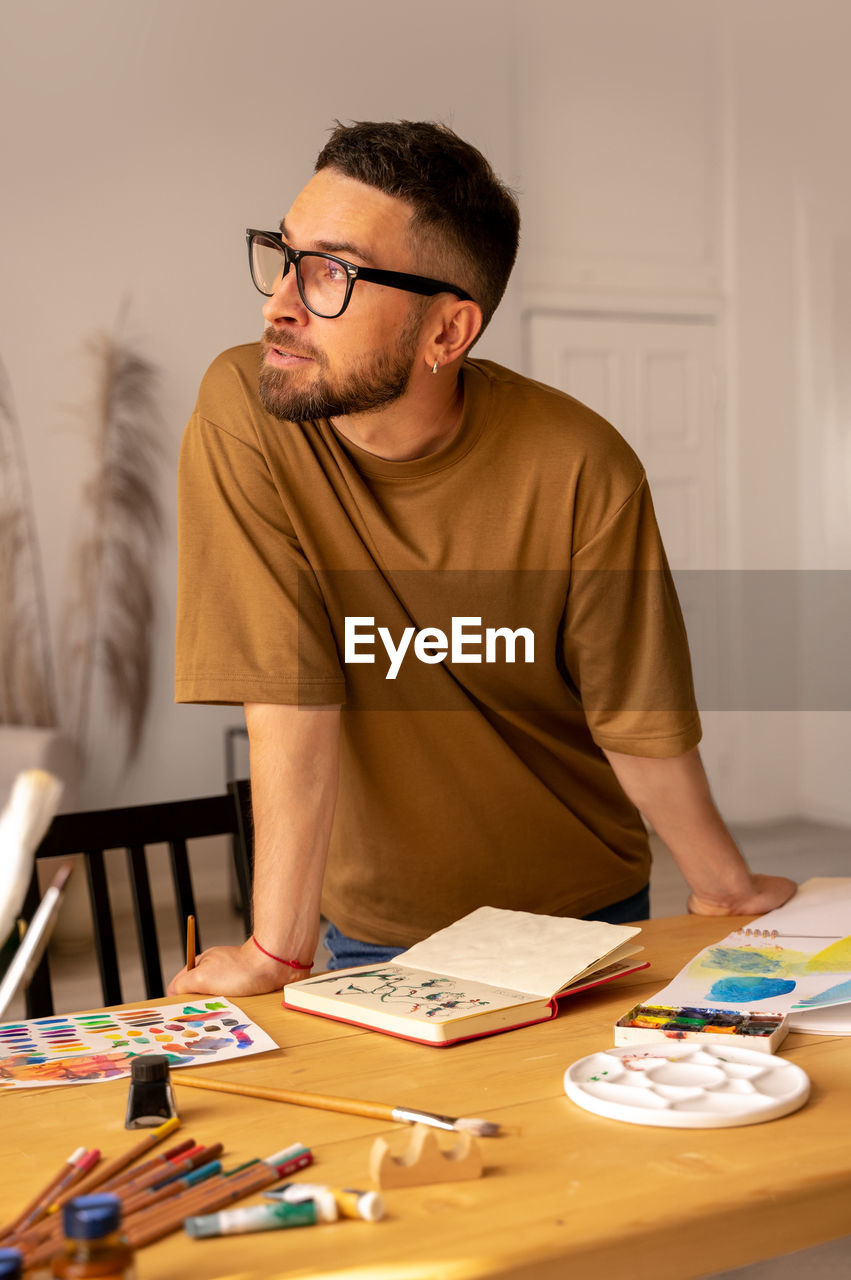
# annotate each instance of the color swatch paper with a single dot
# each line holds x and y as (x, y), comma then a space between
(82, 1048)
(796, 959)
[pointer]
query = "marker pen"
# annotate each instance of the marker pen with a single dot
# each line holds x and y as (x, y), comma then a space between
(368, 1205)
(264, 1217)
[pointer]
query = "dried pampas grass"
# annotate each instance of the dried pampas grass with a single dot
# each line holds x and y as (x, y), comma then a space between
(27, 684)
(106, 636)
(109, 621)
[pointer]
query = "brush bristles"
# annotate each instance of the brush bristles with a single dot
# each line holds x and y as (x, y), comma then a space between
(479, 1128)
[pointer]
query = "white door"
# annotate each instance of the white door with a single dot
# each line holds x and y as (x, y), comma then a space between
(655, 380)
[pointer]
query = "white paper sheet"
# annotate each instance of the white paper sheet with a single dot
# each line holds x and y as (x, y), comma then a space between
(797, 958)
(519, 949)
(83, 1048)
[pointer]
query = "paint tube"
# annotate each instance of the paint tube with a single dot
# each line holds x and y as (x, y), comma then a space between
(264, 1217)
(368, 1205)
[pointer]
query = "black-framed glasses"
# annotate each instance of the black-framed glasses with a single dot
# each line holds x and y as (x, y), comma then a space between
(324, 281)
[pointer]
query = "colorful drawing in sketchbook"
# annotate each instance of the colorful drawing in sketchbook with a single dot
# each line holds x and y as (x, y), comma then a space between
(436, 996)
(88, 1047)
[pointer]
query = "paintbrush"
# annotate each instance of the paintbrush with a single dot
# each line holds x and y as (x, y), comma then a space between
(35, 938)
(28, 812)
(190, 942)
(351, 1106)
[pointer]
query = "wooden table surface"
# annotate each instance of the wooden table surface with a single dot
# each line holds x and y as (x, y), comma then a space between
(564, 1194)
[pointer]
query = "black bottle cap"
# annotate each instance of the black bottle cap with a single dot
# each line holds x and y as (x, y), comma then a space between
(149, 1067)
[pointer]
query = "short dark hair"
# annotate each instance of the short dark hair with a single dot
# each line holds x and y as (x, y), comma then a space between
(465, 220)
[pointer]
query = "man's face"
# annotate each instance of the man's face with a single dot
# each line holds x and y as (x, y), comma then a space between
(360, 361)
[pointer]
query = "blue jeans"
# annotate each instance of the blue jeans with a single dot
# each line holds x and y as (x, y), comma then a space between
(346, 952)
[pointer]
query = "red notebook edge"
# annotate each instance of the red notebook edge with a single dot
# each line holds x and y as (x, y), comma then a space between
(553, 1011)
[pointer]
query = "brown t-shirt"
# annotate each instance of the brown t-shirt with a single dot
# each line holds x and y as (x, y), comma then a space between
(524, 566)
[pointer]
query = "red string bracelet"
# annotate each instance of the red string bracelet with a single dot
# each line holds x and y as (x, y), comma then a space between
(291, 964)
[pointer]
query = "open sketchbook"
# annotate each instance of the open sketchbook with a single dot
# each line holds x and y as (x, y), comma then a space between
(492, 971)
(795, 960)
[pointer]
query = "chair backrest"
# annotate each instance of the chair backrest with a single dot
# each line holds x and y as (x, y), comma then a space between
(133, 829)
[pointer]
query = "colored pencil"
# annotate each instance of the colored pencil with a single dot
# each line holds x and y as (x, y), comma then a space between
(189, 1161)
(76, 1168)
(154, 1224)
(112, 1168)
(50, 1227)
(40, 1242)
(45, 1195)
(190, 942)
(174, 1187)
(350, 1106)
(155, 1162)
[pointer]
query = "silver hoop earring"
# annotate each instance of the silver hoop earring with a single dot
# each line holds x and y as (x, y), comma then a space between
(435, 366)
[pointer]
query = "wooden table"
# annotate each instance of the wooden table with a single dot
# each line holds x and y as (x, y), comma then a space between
(565, 1194)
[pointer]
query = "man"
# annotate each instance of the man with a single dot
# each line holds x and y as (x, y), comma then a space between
(360, 501)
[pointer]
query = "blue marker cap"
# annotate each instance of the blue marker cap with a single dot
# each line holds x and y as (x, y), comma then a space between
(89, 1217)
(11, 1264)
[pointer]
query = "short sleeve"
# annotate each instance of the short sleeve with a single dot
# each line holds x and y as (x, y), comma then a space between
(624, 640)
(251, 622)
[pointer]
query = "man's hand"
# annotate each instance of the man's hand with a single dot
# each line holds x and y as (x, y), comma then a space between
(673, 793)
(233, 971)
(765, 893)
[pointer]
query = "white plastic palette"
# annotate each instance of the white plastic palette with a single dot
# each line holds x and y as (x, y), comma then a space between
(686, 1086)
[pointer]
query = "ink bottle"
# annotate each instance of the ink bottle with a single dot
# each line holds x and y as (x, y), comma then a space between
(150, 1100)
(94, 1245)
(11, 1264)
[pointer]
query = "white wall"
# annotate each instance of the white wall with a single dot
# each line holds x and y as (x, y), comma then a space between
(141, 140)
(664, 151)
(685, 159)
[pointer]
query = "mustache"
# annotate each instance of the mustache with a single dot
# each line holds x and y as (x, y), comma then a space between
(287, 342)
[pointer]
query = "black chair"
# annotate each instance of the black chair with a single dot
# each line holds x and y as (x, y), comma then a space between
(133, 829)
(240, 791)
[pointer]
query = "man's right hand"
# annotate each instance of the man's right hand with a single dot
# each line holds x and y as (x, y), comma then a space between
(233, 971)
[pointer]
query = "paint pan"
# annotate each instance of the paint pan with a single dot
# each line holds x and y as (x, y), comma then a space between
(745, 1029)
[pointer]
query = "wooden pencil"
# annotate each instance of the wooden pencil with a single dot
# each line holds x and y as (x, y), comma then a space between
(191, 1160)
(147, 1199)
(154, 1224)
(155, 1162)
(190, 942)
(38, 1246)
(349, 1106)
(50, 1227)
(44, 1197)
(76, 1168)
(107, 1172)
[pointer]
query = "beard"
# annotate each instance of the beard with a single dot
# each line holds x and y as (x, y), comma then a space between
(378, 380)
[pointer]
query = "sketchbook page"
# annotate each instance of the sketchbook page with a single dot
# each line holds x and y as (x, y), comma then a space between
(406, 992)
(82, 1048)
(518, 949)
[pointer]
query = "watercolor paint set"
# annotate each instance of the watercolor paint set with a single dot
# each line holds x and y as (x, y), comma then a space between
(746, 1029)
